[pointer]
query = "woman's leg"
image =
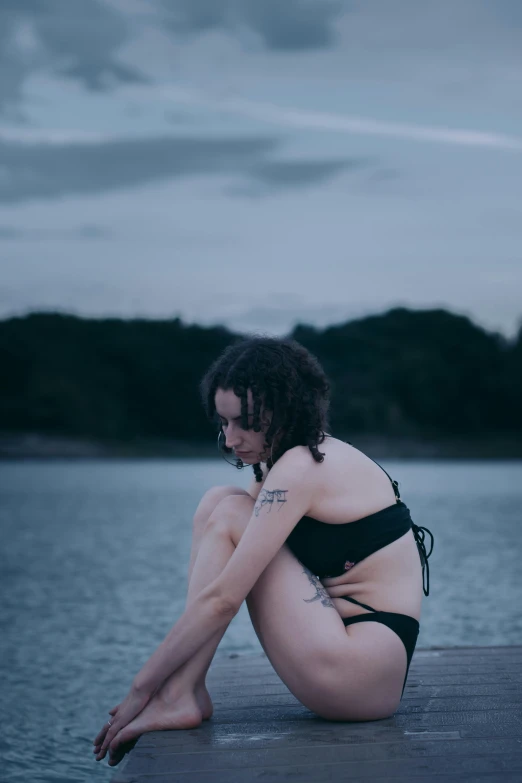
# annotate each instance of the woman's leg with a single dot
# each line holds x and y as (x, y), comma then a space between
(183, 702)
(195, 670)
(352, 673)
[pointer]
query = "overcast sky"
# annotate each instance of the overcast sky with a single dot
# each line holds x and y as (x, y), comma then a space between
(258, 162)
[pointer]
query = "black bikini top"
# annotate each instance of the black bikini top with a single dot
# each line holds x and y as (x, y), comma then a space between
(332, 549)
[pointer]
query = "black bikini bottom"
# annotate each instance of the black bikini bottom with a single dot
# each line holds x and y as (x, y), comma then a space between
(406, 627)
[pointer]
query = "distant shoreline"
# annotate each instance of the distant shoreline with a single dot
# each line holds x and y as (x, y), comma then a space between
(45, 447)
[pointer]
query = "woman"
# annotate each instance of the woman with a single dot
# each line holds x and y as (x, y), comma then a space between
(320, 538)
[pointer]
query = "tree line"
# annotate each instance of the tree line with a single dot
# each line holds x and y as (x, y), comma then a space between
(417, 373)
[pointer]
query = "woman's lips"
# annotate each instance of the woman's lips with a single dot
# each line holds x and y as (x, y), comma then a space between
(241, 452)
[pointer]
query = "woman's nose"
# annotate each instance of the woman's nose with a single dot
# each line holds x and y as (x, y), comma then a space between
(232, 441)
(232, 438)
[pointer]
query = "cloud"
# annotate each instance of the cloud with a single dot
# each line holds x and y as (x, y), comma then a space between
(282, 25)
(87, 231)
(289, 117)
(27, 135)
(271, 176)
(82, 40)
(49, 171)
(281, 174)
(92, 231)
(76, 40)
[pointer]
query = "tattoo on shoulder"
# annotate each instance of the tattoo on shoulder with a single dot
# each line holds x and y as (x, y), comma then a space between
(321, 593)
(269, 497)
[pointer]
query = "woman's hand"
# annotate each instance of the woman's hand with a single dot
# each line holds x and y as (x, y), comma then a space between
(122, 714)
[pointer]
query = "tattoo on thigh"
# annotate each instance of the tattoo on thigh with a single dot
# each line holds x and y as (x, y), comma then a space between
(321, 594)
(269, 497)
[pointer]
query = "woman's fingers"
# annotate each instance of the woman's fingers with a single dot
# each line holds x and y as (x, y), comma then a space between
(101, 734)
(113, 730)
(116, 753)
(104, 738)
(101, 749)
(98, 740)
(102, 752)
(133, 704)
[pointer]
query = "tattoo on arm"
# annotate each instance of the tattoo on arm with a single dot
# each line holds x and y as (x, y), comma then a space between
(320, 592)
(269, 497)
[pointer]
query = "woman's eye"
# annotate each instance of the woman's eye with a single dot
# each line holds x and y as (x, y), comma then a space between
(249, 423)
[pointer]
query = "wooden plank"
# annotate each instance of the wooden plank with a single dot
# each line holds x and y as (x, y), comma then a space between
(296, 712)
(421, 703)
(273, 697)
(241, 735)
(156, 762)
(502, 777)
(152, 763)
(339, 772)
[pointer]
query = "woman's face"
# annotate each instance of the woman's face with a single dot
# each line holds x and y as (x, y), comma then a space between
(247, 444)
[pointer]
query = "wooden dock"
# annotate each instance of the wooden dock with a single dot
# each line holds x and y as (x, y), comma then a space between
(460, 719)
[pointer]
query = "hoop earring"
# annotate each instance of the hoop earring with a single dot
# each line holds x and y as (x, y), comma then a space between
(220, 433)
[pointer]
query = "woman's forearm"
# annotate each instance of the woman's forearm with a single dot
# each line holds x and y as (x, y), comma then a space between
(205, 615)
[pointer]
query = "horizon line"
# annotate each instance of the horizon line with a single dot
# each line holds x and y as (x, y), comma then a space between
(185, 321)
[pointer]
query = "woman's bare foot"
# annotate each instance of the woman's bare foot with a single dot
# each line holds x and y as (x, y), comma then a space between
(167, 710)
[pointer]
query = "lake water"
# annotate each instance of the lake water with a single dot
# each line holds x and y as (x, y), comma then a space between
(93, 574)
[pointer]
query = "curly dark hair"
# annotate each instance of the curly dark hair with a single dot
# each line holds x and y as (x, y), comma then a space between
(286, 379)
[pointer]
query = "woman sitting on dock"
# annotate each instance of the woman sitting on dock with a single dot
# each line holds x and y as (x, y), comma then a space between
(321, 548)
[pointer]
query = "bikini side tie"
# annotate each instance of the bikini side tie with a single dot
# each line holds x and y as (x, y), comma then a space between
(419, 535)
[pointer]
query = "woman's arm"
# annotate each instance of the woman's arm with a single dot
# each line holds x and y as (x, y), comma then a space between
(283, 500)
(255, 485)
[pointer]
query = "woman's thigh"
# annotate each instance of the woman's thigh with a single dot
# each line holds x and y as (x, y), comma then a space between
(341, 673)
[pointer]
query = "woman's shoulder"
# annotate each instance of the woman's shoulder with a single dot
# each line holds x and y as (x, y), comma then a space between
(301, 458)
(296, 456)
(339, 458)
(304, 453)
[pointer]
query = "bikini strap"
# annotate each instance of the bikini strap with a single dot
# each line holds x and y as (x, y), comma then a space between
(419, 534)
(354, 601)
(395, 484)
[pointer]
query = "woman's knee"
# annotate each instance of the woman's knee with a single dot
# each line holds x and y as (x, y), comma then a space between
(210, 501)
(230, 516)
